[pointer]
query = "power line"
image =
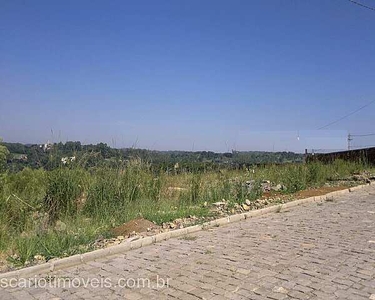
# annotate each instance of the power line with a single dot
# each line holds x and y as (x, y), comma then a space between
(349, 114)
(369, 134)
(363, 5)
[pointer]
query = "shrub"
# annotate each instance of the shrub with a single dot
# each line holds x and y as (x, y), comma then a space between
(195, 187)
(22, 193)
(317, 173)
(104, 194)
(295, 178)
(3, 157)
(64, 187)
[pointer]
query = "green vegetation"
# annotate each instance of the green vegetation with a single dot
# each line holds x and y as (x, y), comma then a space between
(60, 211)
(3, 157)
(49, 157)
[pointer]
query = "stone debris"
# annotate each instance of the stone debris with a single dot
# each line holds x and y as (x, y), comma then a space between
(220, 203)
(165, 227)
(217, 209)
(245, 207)
(264, 185)
(278, 187)
(180, 223)
(353, 180)
(225, 208)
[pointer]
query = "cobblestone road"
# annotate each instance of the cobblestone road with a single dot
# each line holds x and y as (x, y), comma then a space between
(317, 251)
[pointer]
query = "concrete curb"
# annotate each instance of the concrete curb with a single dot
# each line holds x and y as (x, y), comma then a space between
(135, 244)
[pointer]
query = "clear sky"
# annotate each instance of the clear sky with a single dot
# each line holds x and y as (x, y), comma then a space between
(201, 75)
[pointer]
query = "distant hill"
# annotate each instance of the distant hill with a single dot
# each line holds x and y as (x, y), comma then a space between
(49, 156)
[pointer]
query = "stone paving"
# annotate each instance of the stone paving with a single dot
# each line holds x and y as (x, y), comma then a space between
(316, 251)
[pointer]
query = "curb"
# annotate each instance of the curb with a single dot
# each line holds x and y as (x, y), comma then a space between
(135, 244)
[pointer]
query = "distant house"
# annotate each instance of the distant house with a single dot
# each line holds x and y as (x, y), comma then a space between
(46, 147)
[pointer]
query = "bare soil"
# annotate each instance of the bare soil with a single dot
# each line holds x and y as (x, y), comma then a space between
(319, 191)
(138, 225)
(312, 192)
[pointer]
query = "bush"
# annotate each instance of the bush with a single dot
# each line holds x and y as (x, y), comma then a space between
(295, 178)
(22, 193)
(104, 194)
(3, 157)
(64, 187)
(195, 187)
(112, 195)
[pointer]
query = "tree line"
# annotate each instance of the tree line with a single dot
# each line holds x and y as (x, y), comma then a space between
(49, 156)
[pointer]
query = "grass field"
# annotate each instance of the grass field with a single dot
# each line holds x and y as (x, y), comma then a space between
(90, 202)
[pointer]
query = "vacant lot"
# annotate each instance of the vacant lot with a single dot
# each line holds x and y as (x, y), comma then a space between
(48, 214)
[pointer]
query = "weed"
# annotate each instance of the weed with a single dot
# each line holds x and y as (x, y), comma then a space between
(92, 200)
(64, 186)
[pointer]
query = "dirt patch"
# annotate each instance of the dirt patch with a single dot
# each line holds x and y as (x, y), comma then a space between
(305, 193)
(137, 226)
(319, 191)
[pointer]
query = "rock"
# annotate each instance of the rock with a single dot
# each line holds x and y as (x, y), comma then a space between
(39, 257)
(250, 184)
(357, 177)
(60, 226)
(245, 207)
(248, 202)
(15, 256)
(277, 188)
(220, 203)
(121, 238)
(266, 186)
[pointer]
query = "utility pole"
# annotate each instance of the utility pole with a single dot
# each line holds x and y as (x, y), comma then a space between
(349, 140)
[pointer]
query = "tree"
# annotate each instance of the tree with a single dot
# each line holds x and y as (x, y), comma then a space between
(3, 156)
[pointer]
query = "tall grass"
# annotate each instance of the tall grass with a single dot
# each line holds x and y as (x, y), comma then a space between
(64, 187)
(91, 201)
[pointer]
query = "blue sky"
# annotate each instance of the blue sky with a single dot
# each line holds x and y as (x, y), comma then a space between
(193, 75)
